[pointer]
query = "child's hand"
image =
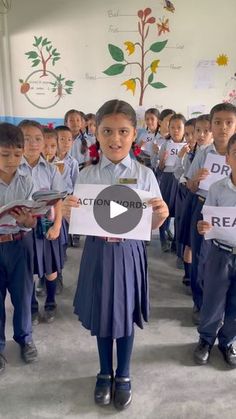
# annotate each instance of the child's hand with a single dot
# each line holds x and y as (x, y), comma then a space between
(23, 217)
(163, 159)
(53, 233)
(155, 149)
(159, 207)
(201, 175)
(71, 201)
(185, 149)
(203, 227)
(142, 142)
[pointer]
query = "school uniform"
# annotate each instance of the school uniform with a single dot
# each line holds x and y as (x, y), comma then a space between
(75, 152)
(69, 176)
(48, 257)
(196, 239)
(218, 312)
(168, 187)
(112, 291)
(16, 263)
(181, 168)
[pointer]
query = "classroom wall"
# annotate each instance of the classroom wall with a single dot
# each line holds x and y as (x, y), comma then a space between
(197, 34)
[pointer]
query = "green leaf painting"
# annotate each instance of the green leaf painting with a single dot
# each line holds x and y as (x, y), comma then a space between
(116, 53)
(158, 46)
(158, 85)
(115, 69)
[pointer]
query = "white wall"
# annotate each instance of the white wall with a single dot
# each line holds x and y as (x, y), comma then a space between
(81, 31)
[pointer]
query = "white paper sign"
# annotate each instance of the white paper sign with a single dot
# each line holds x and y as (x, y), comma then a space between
(218, 170)
(173, 150)
(205, 74)
(223, 221)
(83, 222)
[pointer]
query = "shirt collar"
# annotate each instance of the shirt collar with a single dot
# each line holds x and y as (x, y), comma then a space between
(17, 174)
(41, 161)
(125, 162)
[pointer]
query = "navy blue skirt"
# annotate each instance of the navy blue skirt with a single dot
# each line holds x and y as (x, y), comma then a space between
(169, 188)
(185, 223)
(112, 291)
(48, 255)
(181, 197)
(64, 235)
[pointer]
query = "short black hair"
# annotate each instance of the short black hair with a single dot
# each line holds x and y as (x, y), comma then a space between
(50, 132)
(203, 118)
(179, 116)
(153, 111)
(190, 122)
(31, 123)
(165, 113)
(62, 128)
(227, 107)
(70, 112)
(231, 142)
(11, 136)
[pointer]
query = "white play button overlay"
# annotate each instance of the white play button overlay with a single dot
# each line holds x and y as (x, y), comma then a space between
(116, 209)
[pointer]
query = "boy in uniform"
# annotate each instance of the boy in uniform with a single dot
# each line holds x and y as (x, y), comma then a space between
(218, 312)
(16, 255)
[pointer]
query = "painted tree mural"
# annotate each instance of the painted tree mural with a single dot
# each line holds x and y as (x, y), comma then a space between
(146, 67)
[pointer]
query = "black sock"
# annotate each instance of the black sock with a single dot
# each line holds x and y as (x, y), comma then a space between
(51, 293)
(187, 269)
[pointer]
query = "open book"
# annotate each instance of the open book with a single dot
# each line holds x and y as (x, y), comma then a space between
(41, 202)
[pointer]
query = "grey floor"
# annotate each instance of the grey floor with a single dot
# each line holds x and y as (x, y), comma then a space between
(166, 383)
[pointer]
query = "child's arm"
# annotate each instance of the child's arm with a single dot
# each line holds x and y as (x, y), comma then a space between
(193, 184)
(163, 157)
(203, 227)
(54, 231)
(160, 212)
(71, 201)
(24, 218)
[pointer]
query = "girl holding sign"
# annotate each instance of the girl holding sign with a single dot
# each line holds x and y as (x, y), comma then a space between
(168, 183)
(112, 292)
(218, 312)
(223, 125)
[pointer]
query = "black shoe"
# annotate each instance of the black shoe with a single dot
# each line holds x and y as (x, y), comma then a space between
(202, 352)
(123, 393)
(75, 240)
(186, 281)
(49, 315)
(165, 246)
(196, 315)
(59, 288)
(103, 389)
(2, 363)
(35, 318)
(29, 352)
(229, 354)
(173, 247)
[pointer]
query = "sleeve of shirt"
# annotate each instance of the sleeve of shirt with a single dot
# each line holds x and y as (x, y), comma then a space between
(178, 167)
(197, 164)
(57, 180)
(162, 150)
(211, 198)
(74, 172)
(153, 185)
(29, 187)
(141, 133)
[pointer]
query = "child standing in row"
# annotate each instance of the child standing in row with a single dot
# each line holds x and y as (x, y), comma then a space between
(223, 126)
(79, 151)
(112, 292)
(168, 182)
(48, 251)
(218, 311)
(16, 245)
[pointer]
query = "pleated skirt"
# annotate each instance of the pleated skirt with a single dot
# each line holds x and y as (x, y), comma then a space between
(48, 255)
(169, 188)
(112, 291)
(185, 223)
(181, 197)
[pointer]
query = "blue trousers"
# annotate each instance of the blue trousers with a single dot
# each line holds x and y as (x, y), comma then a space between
(196, 242)
(16, 276)
(124, 347)
(218, 312)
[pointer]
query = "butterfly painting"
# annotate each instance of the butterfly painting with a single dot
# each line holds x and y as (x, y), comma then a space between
(169, 6)
(163, 26)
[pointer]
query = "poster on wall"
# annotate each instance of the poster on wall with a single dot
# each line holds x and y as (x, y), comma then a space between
(44, 87)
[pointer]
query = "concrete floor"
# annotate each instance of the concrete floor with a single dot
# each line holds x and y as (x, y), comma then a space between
(166, 383)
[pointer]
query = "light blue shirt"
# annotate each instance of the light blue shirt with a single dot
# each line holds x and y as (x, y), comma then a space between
(21, 187)
(70, 173)
(198, 163)
(222, 194)
(76, 150)
(45, 175)
(108, 173)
